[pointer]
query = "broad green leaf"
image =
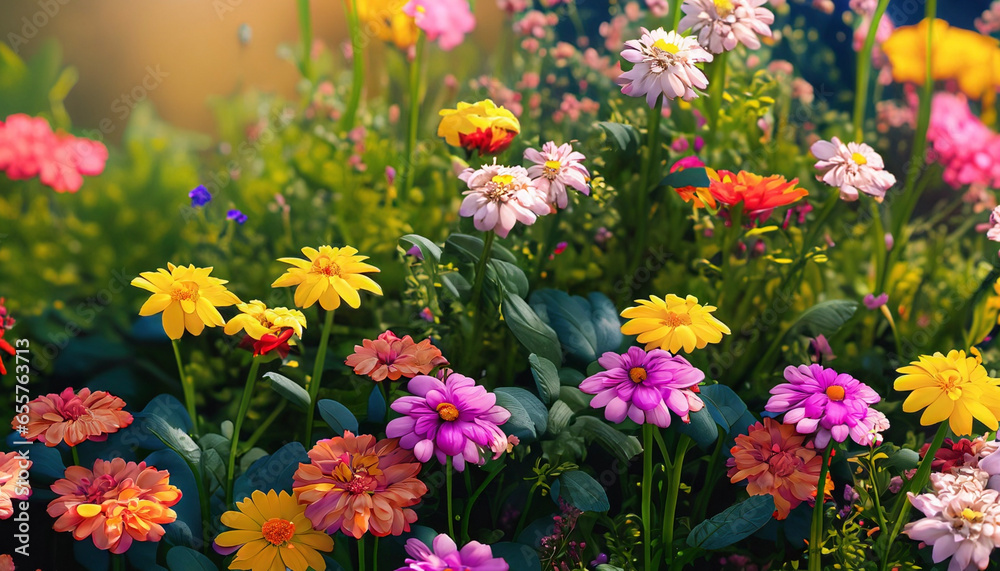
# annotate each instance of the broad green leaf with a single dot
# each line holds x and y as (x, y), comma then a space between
(188, 509)
(546, 378)
(725, 406)
(428, 249)
(559, 416)
(519, 424)
(272, 472)
(517, 555)
(376, 404)
(508, 276)
(470, 248)
(457, 285)
(292, 391)
(702, 428)
(582, 491)
(182, 558)
(586, 327)
(623, 446)
(536, 410)
(624, 136)
(338, 416)
(825, 318)
(529, 329)
(735, 523)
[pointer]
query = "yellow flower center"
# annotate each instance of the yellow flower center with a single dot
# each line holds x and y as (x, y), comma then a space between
(972, 515)
(724, 7)
(447, 411)
(637, 374)
(949, 382)
(324, 265)
(503, 179)
(835, 392)
(277, 531)
(88, 510)
(551, 169)
(676, 319)
(858, 158)
(184, 291)
(663, 46)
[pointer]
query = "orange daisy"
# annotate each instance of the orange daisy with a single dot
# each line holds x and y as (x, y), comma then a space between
(759, 195)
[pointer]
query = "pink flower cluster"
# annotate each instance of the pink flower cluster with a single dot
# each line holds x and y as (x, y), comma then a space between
(535, 24)
(571, 108)
(444, 21)
(968, 150)
(29, 148)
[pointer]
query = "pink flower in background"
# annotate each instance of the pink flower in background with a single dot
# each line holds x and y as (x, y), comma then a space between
(555, 169)
(29, 148)
(512, 6)
(12, 486)
(994, 230)
(659, 8)
(989, 21)
(872, 302)
(499, 197)
(389, 357)
(664, 64)
(535, 24)
(444, 554)
(723, 24)
(968, 150)
(444, 21)
(963, 526)
(852, 167)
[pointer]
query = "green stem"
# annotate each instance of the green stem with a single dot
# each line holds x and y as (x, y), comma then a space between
(361, 553)
(188, 385)
(524, 513)
(237, 425)
(313, 385)
(448, 471)
(265, 425)
(647, 496)
(701, 505)
(878, 248)
(675, 15)
(413, 123)
(863, 72)
(546, 247)
(358, 59)
(305, 27)
(472, 500)
(478, 321)
(375, 555)
(649, 159)
(76, 455)
(816, 532)
(716, 87)
(670, 505)
(118, 561)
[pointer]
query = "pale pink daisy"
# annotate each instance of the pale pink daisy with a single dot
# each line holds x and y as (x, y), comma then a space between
(664, 64)
(722, 24)
(500, 196)
(994, 231)
(556, 168)
(963, 526)
(852, 167)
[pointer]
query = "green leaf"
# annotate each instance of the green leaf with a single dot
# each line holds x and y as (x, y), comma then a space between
(559, 416)
(376, 404)
(694, 176)
(725, 406)
(529, 329)
(470, 248)
(457, 285)
(825, 318)
(292, 391)
(702, 428)
(546, 377)
(582, 491)
(624, 447)
(536, 410)
(587, 327)
(338, 416)
(517, 555)
(175, 438)
(272, 472)
(570, 377)
(575, 398)
(506, 276)
(428, 249)
(181, 558)
(624, 136)
(519, 424)
(734, 524)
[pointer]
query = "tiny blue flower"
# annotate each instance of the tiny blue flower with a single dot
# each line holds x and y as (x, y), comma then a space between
(236, 215)
(200, 196)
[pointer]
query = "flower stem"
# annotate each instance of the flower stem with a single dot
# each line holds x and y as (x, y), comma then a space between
(357, 57)
(675, 15)
(647, 496)
(375, 555)
(716, 87)
(816, 532)
(406, 178)
(361, 553)
(448, 475)
(265, 425)
(313, 385)
(76, 455)
(188, 386)
(863, 71)
(118, 561)
(472, 500)
(305, 28)
(235, 441)
(670, 505)
(646, 167)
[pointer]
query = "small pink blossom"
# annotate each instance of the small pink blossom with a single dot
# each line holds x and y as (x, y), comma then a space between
(852, 167)
(500, 196)
(664, 65)
(659, 8)
(555, 168)
(722, 25)
(444, 21)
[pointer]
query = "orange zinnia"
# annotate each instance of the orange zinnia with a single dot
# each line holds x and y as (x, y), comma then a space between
(389, 357)
(75, 417)
(759, 195)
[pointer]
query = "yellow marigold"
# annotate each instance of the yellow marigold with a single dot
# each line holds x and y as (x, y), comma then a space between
(953, 387)
(673, 323)
(386, 19)
(187, 296)
(970, 58)
(483, 127)
(328, 275)
(257, 320)
(272, 532)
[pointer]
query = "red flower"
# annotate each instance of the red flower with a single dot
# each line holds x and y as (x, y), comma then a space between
(759, 195)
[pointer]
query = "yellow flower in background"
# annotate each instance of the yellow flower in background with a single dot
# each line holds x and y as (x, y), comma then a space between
(968, 57)
(272, 532)
(257, 320)
(187, 296)
(386, 19)
(484, 127)
(328, 275)
(954, 388)
(673, 323)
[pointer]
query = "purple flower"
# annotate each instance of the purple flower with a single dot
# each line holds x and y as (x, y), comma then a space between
(200, 196)
(236, 215)
(455, 418)
(444, 554)
(821, 400)
(873, 303)
(820, 349)
(645, 387)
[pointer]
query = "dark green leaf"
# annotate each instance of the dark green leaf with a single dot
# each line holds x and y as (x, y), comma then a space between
(376, 405)
(292, 391)
(182, 558)
(694, 176)
(338, 416)
(625, 137)
(188, 509)
(725, 406)
(582, 491)
(546, 378)
(702, 428)
(559, 416)
(175, 438)
(272, 472)
(518, 556)
(470, 248)
(575, 398)
(519, 424)
(570, 377)
(428, 249)
(508, 277)
(825, 318)
(529, 329)
(624, 447)
(735, 523)
(586, 328)
(536, 410)
(457, 285)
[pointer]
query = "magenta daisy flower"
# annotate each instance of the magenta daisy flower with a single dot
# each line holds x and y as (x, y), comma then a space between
(455, 418)
(556, 168)
(444, 554)
(645, 387)
(822, 401)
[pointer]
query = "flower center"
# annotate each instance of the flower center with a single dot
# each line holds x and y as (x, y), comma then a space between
(835, 392)
(972, 515)
(324, 265)
(784, 464)
(724, 8)
(184, 291)
(501, 187)
(551, 169)
(447, 411)
(277, 531)
(948, 382)
(859, 159)
(669, 48)
(637, 374)
(676, 319)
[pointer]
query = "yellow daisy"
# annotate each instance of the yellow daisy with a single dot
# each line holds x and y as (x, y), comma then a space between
(257, 320)
(272, 533)
(329, 275)
(187, 296)
(673, 323)
(954, 388)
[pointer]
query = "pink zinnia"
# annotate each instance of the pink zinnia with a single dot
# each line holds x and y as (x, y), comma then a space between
(822, 401)
(499, 197)
(645, 387)
(12, 485)
(75, 417)
(723, 24)
(556, 168)
(664, 65)
(852, 167)
(455, 419)
(964, 526)
(389, 357)
(446, 21)
(444, 554)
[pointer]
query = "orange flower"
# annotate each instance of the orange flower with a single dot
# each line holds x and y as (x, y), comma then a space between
(759, 195)
(12, 485)
(75, 417)
(355, 485)
(774, 460)
(391, 357)
(115, 504)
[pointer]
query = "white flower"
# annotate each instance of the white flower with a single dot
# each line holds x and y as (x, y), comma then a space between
(556, 168)
(500, 196)
(722, 24)
(852, 167)
(664, 63)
